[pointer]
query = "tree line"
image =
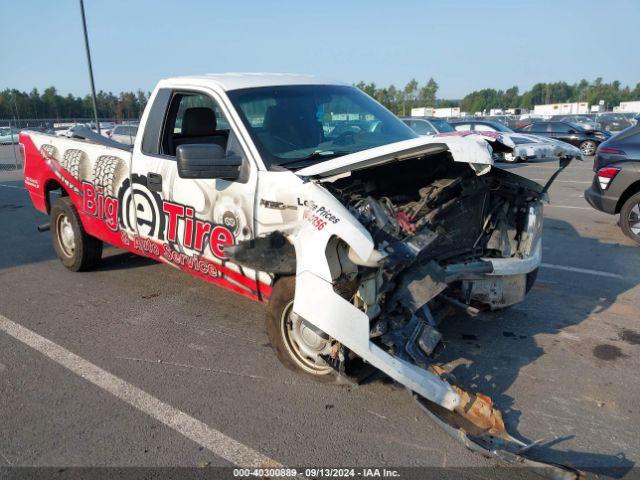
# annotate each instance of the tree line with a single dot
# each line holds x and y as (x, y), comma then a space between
(402, 100)
(49, 104)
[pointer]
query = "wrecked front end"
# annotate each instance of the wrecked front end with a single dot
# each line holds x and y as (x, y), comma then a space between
(435, 233)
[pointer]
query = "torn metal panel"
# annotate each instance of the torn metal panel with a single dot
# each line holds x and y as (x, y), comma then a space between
(512, 146)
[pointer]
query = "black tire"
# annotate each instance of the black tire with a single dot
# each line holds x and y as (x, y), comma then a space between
(588, 147)
(65, 222)
(531, 280)
(630, 216)
(281, 299)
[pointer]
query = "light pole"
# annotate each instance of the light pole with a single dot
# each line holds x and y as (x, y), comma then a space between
(93, 87)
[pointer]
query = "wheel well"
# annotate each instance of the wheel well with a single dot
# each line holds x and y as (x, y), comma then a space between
(631, 190)
(56, 187)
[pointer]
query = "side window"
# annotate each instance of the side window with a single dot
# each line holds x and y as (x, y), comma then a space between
(462, 127)
(538, 127)
(193, 118)
(557, 127)
(484, 128)
(422, 128)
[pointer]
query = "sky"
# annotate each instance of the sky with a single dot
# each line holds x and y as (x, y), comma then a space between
(465, 45)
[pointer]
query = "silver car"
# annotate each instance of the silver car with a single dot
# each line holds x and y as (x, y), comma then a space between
(123, 133)
(8, 135)
(584, 122)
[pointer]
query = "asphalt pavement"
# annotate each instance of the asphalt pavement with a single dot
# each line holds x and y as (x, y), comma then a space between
(138, 364)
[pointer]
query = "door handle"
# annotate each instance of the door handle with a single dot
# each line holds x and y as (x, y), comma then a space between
(154, 182)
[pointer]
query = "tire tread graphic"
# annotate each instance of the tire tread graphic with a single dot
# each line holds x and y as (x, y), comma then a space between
(105, 170)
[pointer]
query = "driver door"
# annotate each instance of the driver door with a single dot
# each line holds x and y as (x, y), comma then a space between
(188, 222)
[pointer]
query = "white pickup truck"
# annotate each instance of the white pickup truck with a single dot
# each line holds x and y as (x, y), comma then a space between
(310, 196)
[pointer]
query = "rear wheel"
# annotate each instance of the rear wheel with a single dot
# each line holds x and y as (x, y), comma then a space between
(298, 345)
(630, 218)
(76, 249)
(588, 147)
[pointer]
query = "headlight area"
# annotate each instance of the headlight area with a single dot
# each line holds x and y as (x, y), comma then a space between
(531, 233)
(356, 280)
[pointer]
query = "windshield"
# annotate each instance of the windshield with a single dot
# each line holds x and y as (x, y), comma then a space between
(300, 125)
(442, 126)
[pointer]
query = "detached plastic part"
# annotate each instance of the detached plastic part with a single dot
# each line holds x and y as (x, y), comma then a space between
(480, 428)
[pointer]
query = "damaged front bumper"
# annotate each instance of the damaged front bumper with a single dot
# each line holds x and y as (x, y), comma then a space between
(424, 243)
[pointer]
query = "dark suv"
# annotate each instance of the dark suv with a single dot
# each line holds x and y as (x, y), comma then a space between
(586, 140)
(616, 184)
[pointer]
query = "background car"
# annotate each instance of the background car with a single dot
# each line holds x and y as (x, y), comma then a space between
(525, 120)
(616, 183)
(584, 121)
(480, 126)
(427, 125)
(614, 122)
(123, 133)
(586, 140)
(525, 147)
(57, 131)
(8, 135)
(71, 131)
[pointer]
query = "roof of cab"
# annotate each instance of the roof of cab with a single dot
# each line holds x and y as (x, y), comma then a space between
(236, 81)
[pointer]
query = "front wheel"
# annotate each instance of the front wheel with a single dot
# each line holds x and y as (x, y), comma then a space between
(588, 147)
(630, 218)
(76, 249)
(298, 345)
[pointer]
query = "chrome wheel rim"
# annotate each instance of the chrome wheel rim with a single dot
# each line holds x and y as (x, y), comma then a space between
(588, 148)
(633, 220)
(65, 236)
(304, 345)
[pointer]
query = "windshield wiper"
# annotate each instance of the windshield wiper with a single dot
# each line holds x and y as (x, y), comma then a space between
(317, 155)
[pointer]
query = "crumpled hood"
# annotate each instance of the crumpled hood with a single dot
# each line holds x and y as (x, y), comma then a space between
(521, 142)
(474, 151)
(497, 137)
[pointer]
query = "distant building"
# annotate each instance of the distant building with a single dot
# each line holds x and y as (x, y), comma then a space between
(629, 107)
(422, 112)
(447, 112)
(561, 108)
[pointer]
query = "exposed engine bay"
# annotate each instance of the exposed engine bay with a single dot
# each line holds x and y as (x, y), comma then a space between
(436, 230)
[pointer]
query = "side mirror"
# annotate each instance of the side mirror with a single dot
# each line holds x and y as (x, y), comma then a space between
(207, 161)
(572, 131)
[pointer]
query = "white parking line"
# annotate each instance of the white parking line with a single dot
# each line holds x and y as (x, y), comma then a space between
(213, 440)
(560, 181)
(566, 206)
(12, 186)
(581, 270)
